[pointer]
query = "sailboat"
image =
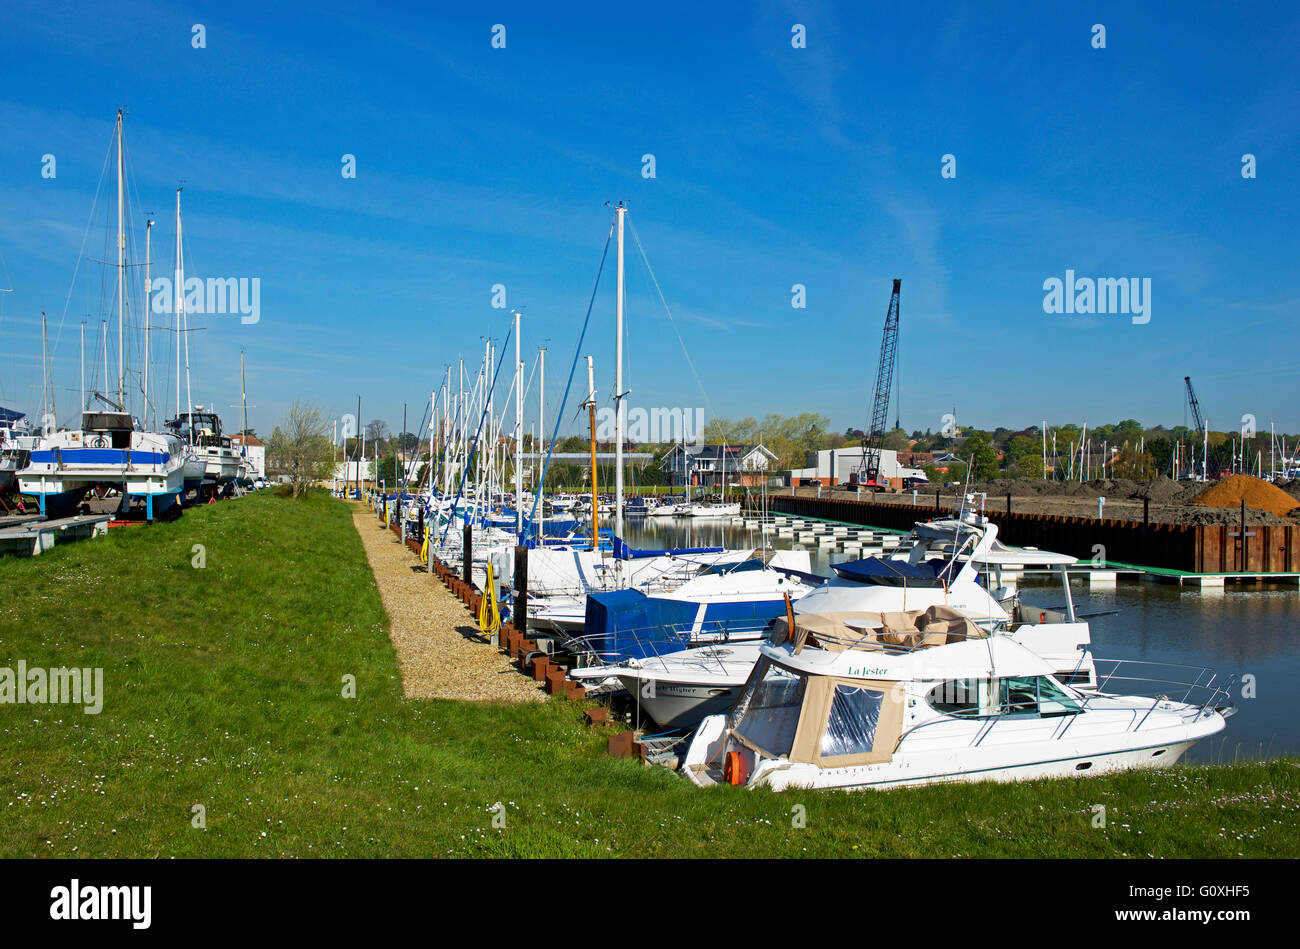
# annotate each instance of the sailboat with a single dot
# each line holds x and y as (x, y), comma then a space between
(110, 450)
(615, 594)
(210, 457)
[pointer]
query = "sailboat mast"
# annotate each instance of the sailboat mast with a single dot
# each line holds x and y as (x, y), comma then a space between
(47, 396)
(595, 490)
(83, 365)
(178, 279)
(185, 321)
(618, 383)
(519, 438)
(121, 263)
(243, 399)
(541, 431)
(148, 226)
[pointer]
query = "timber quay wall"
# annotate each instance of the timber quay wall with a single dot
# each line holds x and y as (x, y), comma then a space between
(1185, 547)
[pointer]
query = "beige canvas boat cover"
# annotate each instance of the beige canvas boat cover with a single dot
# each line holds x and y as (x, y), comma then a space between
(837, 632)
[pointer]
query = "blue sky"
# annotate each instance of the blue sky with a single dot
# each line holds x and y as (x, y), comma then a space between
(774, 166)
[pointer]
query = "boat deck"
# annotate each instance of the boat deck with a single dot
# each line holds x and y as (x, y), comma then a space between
(32, 535)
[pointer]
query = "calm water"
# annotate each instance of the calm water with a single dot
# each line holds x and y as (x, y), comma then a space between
(1248, 630)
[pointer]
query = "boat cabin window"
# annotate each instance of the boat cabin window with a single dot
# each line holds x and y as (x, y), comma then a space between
(1019, 695)
(961, 696)
(769, 712)
(851, 727)
(1038, 695)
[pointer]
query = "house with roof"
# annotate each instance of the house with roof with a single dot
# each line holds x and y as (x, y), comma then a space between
(708, 466)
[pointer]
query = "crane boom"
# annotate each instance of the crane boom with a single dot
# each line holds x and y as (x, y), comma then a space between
(1195, 405)
(874, 439)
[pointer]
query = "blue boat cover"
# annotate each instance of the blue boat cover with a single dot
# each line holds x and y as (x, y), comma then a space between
(623, 552)
(878, 570)
(628, 624)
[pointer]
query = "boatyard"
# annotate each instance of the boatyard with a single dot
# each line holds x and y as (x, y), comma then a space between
(667, 435)
(315, 773)
(692, 647)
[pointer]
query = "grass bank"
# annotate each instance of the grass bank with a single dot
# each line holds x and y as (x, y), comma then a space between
(223, 688)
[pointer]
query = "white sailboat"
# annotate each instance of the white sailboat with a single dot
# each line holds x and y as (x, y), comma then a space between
(111, 450)
(209, 455)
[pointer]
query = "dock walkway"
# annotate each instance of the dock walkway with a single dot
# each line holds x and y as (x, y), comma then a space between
(441, 655)
(30, 535)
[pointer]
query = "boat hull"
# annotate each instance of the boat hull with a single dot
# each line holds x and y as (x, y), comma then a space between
(1101, 755)
(680, 704)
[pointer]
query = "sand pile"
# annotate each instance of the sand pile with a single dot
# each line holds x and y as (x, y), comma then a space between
(1258, 494)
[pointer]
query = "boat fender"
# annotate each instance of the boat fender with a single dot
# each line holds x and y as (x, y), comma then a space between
(733, 769)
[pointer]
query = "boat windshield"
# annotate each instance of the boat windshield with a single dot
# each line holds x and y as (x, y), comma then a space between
(768, 713)
(1021, 695)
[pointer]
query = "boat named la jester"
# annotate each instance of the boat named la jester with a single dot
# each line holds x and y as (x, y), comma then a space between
(854, 701)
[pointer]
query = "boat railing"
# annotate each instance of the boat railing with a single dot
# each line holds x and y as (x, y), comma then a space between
(650, 643)
(1197, 686)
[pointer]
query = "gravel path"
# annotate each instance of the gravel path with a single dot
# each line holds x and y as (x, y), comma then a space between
(441, 653)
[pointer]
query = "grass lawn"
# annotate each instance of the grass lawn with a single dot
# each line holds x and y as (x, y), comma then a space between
(223, 688)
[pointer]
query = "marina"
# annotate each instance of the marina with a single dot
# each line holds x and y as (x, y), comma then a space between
(1244, 628)
(675, 434)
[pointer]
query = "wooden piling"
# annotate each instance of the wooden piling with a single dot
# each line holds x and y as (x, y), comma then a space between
(519, 615)
(467, 555)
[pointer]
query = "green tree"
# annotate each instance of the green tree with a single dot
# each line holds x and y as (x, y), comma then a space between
(300, 449)
(983, 458)
(896, 440)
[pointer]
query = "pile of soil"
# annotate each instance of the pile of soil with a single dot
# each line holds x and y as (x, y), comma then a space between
(1161, 490)
(1258, 494)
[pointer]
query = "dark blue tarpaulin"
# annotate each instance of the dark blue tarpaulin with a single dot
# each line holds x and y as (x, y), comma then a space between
(881, 571)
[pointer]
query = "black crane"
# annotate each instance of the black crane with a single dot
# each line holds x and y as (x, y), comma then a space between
(1195, 406)
(874, 438)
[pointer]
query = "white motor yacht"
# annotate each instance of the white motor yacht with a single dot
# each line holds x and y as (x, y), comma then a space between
(109, 451)
(200, 429)
(859, 701)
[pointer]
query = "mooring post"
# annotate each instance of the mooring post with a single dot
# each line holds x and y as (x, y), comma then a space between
(1008, 502)
(467, 554)
(1146, 512)
(1244, 561)
(419, 535)
(936, 501)
(519, 614)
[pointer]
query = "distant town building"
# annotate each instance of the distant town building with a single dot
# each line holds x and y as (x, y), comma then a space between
(832, 466)
(347, 470)
(706, 465)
